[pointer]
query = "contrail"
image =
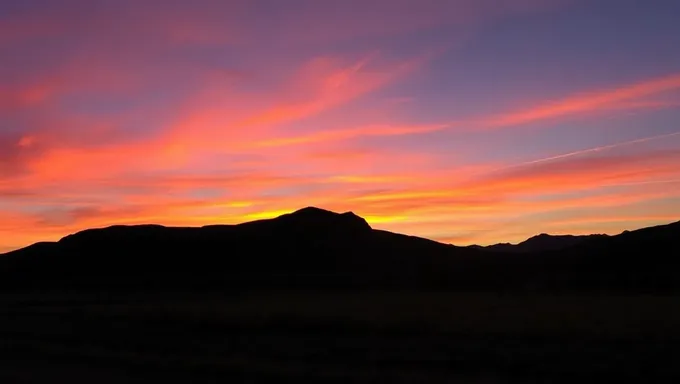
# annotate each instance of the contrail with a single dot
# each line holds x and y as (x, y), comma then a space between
(596, 149)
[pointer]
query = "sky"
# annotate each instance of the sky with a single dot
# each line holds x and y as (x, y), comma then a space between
(463, 121)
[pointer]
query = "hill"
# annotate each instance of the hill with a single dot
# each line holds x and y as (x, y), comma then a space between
(540, 243)
(319, 249)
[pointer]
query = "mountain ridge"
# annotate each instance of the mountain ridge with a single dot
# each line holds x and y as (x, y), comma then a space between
(540, 242)
(318, 249)
(528, 245)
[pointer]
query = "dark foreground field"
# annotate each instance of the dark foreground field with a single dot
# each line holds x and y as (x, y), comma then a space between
(363, 337)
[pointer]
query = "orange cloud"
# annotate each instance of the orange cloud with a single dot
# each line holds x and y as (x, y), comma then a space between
(324, 86)
(339, 135)
(616, 219)
(587, 102)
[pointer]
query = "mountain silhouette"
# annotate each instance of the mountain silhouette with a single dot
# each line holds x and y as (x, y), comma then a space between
(541, 243)
(318, 249)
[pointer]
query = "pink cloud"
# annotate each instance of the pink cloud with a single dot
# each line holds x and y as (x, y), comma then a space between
(588, 102)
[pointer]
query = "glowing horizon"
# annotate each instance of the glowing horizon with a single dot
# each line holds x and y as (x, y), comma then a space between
(463, 121)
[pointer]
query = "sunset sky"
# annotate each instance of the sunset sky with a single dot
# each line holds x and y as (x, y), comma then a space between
(464, 121)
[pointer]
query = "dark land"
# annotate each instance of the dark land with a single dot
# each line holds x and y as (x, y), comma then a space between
(316, 296)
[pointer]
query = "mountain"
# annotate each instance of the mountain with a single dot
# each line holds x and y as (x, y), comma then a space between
(540, 243)
(322, 250)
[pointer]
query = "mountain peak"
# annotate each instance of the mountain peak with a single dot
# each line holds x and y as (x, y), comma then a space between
(313, 211)
(321, 217)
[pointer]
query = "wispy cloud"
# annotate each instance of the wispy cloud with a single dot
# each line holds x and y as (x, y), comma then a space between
(589, 102)
(630, 97)
(340, 135)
